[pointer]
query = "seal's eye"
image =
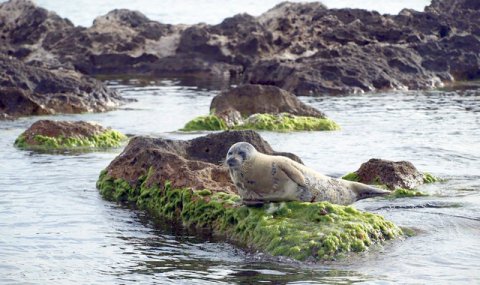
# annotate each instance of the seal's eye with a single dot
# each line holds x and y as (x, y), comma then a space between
(229, 153)
(242, 154)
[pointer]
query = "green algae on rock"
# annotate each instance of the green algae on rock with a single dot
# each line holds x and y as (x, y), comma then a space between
(267, 122)
(352, 176)
(288, 122)
(429, 178)
(57, 135)
(402, 193)
(110, 138)
(205, 123)
(298, 230)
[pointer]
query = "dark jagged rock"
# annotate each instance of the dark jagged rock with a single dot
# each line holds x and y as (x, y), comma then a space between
(34, 90)
(252, 99)
(304, 48)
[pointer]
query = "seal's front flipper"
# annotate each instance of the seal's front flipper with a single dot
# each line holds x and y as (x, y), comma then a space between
(293, 173)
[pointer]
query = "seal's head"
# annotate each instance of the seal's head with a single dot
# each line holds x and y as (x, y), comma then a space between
(239, 153)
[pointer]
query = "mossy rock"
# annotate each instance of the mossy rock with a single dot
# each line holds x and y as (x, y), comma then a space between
(298, 230)
(268, 122)
(107, 139)
(205, 123)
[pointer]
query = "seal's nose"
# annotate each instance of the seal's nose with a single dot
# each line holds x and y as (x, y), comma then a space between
(231, 162)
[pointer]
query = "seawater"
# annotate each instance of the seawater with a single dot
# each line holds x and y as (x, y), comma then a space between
(56, 229)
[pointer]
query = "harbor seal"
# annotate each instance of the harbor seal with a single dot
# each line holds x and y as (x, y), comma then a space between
(261, 178)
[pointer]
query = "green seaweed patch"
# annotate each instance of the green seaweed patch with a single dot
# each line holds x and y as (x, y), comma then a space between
(402, 193)
(429, 178)
(205, 123)
(298, 230)
(268, 122)
(107, 139)
(352, 176)
(288, 122)
(21, 142)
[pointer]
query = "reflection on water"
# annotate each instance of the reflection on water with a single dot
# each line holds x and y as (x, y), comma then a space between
(55, 227)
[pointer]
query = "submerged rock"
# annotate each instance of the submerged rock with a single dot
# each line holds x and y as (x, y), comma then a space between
(62, 135)
(27, 90)
(177, 180)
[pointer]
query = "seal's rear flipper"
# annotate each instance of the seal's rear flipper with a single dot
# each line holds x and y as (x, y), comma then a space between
(364, 191)
(253, 203)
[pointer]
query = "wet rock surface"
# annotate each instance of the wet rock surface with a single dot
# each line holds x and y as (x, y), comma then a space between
(27, 89)
(252, 99)
(304, 48)
(393, 174)
(195, 164)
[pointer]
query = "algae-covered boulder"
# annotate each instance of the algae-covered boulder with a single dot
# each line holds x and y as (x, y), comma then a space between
(260, 107)
(62, 135)
(401, 176)
(170, 180)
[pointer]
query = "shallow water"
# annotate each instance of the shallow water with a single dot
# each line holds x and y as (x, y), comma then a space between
(55, 227)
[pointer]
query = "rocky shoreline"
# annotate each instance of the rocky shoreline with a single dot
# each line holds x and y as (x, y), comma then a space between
(304, 48)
